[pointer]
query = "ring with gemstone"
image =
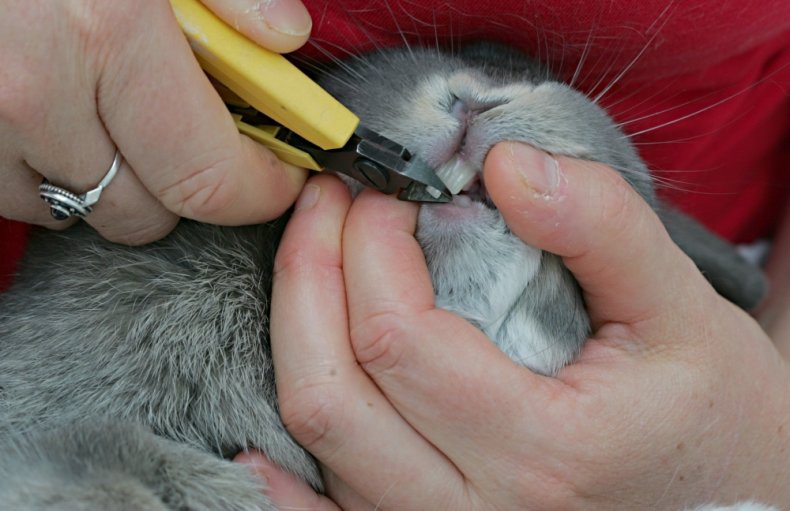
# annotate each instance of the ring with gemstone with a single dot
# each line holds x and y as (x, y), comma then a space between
(64, 204)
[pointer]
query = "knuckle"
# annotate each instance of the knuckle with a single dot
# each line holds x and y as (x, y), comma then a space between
(98, 24)
(617, 204)
(200, 195)
(90, 22)
(209, 184)
(94, 25)
(312, 413)
(27, 70)
(299, 260)
(21, 107)
(291, 259)
(303, 256)
(112, 41)
(377, 341)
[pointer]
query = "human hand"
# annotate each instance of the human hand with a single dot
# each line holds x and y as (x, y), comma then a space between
(677, 399)
(80, 78)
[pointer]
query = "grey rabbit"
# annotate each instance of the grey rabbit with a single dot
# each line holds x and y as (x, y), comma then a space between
(128, 375)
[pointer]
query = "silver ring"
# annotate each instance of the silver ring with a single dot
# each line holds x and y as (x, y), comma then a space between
(64, 204)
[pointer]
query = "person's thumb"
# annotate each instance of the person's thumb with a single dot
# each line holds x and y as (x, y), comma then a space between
(279, 25)
(610, 239)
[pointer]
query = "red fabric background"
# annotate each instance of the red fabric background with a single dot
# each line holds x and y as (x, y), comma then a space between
(704, 86)
(12, 244)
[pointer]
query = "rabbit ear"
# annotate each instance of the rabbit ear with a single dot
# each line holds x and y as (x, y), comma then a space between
(732, 276)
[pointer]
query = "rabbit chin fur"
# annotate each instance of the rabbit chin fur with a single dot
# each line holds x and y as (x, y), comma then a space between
(128, 374)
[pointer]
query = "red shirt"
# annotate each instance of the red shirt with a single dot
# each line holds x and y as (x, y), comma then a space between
(703, 87)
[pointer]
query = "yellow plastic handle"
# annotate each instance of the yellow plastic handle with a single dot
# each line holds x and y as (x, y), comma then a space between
(264, 79)
(266, 135)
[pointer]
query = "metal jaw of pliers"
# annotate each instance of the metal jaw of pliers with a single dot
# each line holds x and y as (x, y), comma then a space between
(370, 158)
(379, 163)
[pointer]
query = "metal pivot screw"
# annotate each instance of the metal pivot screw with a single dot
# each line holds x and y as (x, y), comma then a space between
(373, 172)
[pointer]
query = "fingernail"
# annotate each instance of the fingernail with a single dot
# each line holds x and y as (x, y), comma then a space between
(308, 197)
(288, 17)
(540, 170)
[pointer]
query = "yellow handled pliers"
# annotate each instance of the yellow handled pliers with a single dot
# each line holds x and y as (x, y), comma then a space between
(280, 107)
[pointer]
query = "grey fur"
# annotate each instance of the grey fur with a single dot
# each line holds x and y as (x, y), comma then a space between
(110, 465)
(172, 336)
(127, 373)
(733, 277)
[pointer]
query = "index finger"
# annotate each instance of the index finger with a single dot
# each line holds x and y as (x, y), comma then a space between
(178, 136)
(326, 401)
